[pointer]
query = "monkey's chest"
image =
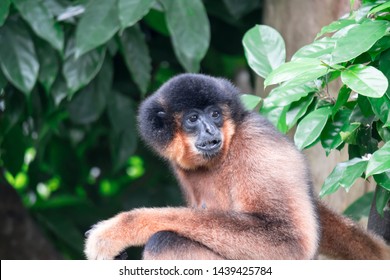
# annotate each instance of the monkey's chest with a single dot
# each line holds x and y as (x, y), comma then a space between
(207, 191)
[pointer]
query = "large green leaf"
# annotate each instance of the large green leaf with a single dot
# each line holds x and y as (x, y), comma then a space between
(285, 95)
(330, 136)
(381, 7)
(342, 98)
(379, 161)
(78, 72)
(41, 21)
(305, 70)
(88, 104)
(381, 108)
(123, 139)
(250, 101)
(99, 23)
(384, 67)
(264, 49)
(17, 56)
(49, 64)
(365, 80)
(320, 49)
(309, 129)
(297, 110)
(358, 40)
(137, 58)
(4, 10)
(189, 27)
(382, 199)
(335, 26)
(343, 175)
(383, 179)
(131, 11)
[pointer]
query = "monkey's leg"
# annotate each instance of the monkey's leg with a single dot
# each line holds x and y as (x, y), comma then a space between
(344, 239)
(167, 245)
(232, 235)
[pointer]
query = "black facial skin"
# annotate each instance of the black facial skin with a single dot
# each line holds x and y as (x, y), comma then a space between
(205, 126)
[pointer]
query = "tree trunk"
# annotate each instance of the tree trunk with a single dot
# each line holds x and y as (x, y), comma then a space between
(20, 237)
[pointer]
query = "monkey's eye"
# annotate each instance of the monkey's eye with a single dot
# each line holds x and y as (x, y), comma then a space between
(193, 118)
(215, 114)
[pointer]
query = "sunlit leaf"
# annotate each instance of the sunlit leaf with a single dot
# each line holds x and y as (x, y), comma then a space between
(335, 26)
(310, 127)
(379, 161)
(365, 80)
(250, 101)
(320, 49)
(343, 175)
(305, 70)
(358, 40)
(264, 49)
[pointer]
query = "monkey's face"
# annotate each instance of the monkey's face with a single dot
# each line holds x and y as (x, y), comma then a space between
(204, 128)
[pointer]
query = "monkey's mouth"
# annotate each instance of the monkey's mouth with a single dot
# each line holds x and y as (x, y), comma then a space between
(209, 148)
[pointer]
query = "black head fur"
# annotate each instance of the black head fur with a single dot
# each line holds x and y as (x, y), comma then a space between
(180, 94)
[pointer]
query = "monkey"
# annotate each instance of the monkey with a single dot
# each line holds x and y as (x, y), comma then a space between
(247, 188)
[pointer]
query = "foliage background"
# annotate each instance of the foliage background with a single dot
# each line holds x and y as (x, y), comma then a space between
(72, 75)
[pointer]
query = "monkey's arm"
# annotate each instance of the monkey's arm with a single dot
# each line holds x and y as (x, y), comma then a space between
(232, 235)
(344, 239)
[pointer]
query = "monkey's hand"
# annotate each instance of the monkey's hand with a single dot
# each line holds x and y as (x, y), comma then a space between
(108, 238)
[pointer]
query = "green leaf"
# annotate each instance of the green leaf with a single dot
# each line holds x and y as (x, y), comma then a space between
(88, 104)
(365, 80)
(264, 49)
(41, 21)
(131, 11)
(379, 161)
(381, 108)
(343, 175)
(99, 23)
(380, 8)
(298, 109)
(358, 40)
(335, 26)
(320, 49)
(384, 66)
(137, 58)
(285, 94)
(250, 101)
(79, 72)
(330, 136)
(382, 199)
(384, 132)
(310, 127)
(189, 27)
(360, 208)
(49, 65)
(4, 10)
(383, 179)
(123, 139)
(276, 115)
(238, 9)
(156, 20)
(305, 70)
(17, 56)
(342, 98)
(59, 90)
(349, 134)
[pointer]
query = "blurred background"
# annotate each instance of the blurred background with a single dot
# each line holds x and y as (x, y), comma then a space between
(72, 76)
